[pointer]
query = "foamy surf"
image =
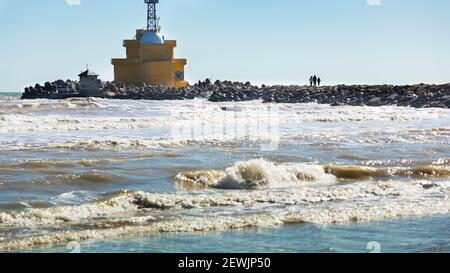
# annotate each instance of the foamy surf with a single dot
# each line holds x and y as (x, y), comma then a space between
(129, 202)
(101, 115)
(13, 103)
(61, 123)
(376, 202)
(64, 162)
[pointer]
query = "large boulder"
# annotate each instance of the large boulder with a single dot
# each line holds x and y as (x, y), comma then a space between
(60, 83)
(48, 87)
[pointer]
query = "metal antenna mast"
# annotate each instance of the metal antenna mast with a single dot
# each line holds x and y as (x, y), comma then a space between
(152, 19)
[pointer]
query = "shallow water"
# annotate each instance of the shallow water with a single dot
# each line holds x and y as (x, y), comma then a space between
(392, 236)
(111, 173)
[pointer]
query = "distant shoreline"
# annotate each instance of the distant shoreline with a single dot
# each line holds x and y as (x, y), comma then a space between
(10, 94)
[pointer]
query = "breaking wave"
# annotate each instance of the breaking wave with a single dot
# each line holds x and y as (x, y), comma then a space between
(259, 173)
(256, 174)
(367, 173)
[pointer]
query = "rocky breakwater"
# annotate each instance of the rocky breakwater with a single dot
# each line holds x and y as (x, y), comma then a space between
(420, 95)
(52, 90)
(68, 89)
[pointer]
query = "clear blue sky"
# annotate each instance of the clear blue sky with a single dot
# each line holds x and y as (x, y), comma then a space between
(278, 41)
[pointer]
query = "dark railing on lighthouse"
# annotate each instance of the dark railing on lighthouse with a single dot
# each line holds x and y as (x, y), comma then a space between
(152, 19)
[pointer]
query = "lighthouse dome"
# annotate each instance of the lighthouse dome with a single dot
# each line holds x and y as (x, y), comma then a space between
(151, 37)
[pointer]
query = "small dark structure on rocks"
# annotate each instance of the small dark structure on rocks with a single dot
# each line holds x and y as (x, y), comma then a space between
(89, 84)
(421, 95)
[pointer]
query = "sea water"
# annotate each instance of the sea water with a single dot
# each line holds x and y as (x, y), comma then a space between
(99, 175)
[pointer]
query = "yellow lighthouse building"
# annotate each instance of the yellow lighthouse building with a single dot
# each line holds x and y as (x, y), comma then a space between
(150, 58)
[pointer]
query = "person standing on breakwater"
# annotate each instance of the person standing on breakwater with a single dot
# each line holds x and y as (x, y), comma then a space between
(315, 80)
(318, 81)
(311, 81)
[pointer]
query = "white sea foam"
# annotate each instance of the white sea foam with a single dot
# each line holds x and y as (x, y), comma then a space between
(101, 114)
(129, 202)
(291, 193)
(56, 123)
(62, 214)
(432, 136)
(107, 143)
(74, 126)
(341, 213)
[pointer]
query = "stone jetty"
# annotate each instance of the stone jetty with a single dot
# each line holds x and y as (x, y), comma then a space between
(420, 95)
